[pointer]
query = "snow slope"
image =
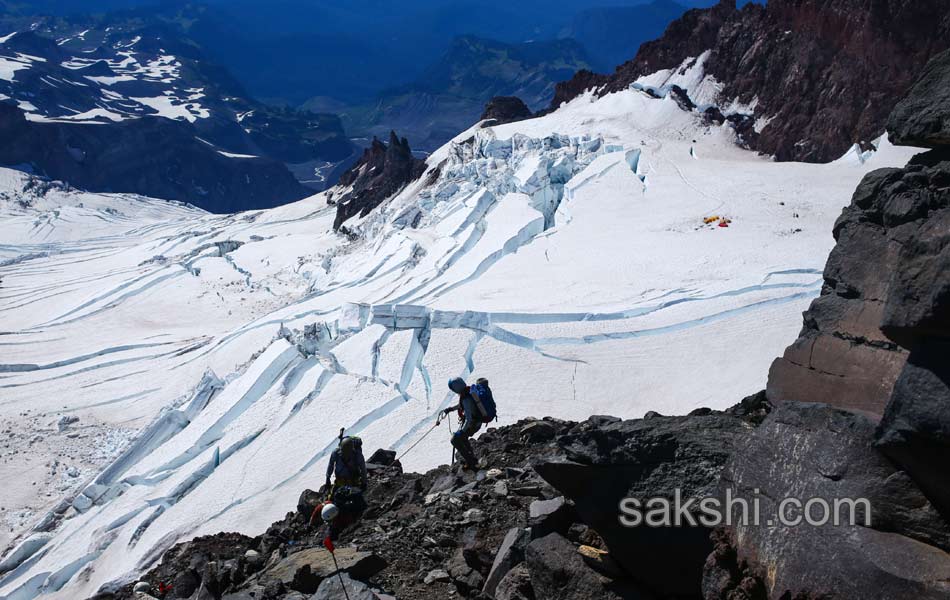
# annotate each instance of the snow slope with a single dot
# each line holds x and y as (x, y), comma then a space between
(565, 258)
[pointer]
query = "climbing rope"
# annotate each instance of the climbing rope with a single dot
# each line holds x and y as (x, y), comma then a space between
(438, 420)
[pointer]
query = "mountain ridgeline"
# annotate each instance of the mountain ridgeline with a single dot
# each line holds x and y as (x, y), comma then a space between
(114, 104)
(450, 94)
(821, 75)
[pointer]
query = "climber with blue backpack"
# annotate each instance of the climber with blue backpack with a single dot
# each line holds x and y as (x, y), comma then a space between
(476, 406)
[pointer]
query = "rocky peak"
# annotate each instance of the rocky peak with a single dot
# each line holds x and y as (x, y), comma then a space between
(506, 109)
(380, 173)
(825, 75)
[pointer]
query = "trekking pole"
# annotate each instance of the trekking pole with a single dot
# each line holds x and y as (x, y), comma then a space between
(328, 544)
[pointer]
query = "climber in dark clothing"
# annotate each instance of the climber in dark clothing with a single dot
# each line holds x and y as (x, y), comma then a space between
(349, 465)
(346, 493)
(471, 422)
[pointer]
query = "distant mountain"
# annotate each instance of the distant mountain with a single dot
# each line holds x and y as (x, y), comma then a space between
(612, 34)
(111, 70)
(451, 94)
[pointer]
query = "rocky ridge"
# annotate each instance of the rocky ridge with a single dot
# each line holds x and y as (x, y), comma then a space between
(821, 76)
(378, 175)
(515, 529)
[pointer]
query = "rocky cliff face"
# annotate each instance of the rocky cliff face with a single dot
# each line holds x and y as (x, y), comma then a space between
(876, 342)
(915, 429)
(886, 271)
(824, 74)
(379, 174)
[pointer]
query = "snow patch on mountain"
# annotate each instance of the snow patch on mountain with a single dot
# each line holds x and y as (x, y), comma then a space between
(127, 70)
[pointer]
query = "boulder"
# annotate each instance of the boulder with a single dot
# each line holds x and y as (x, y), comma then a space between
(186, 583)
(437, 575)
(509, 555)
(383, 457)
(539, 431)
(516, 585)
(506, 109)
(604, 463)
(551, 516)
(304, 570)
(308, 501)
(922, 118)
(601, 560)
(915, 430)
(897, 548)
(332, 589)
(559, 573)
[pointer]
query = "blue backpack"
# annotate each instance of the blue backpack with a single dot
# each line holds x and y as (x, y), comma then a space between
(484, 400)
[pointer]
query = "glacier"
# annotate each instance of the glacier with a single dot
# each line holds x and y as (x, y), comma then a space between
(564, 257)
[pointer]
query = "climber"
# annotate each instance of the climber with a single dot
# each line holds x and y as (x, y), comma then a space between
(349, 465)
(476, 406)
(346, 493)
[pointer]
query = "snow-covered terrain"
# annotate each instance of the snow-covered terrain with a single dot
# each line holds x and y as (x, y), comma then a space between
(566, 258)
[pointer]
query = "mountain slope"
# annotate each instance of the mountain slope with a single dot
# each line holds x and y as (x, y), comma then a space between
(816, 76)
(450, 94)
(566, 258)
(109, 71)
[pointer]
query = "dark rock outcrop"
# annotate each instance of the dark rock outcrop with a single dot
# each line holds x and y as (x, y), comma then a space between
(896, 547)
(605, 462)
(886, 281)
(876, 342)
(582, 81)
(506, 109)
(826, 73)
(922, 118)
(915, 429)
(841, 356)
(503, 531)
(382, 171)
(559, 573)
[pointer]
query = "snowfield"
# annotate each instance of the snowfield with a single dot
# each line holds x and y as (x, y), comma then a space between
(565, 258)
